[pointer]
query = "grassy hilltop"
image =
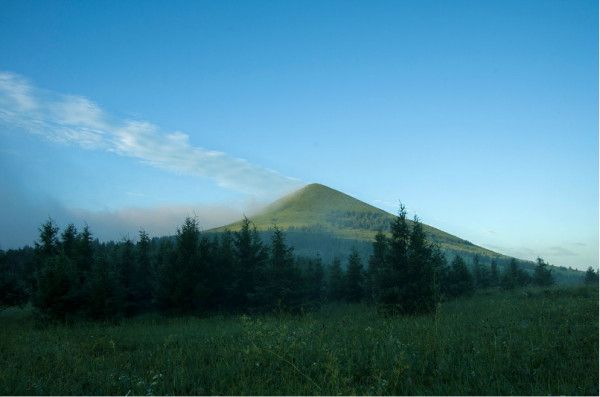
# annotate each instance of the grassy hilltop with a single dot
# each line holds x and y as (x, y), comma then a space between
(321, 220)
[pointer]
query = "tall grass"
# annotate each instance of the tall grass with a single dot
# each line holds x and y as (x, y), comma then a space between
(522, 342)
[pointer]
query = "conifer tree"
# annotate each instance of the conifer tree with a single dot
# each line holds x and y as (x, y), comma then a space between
(69, 242)
(126, 275)
(542, 276)
(144, 273)
(106, 294)
(420, 290)
(514, 276)
(591, 276)
(480, 273)
(354, 278)
(250, 265)
(494, 275)
(392, 279)
(336, 281)
(460, 281)
(377, 267)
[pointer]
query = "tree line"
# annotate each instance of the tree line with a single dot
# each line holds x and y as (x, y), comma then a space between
(70, 275)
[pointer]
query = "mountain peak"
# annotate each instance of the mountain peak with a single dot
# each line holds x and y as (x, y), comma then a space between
(316, 207)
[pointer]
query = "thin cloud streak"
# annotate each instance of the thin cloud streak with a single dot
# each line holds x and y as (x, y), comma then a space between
(70, 119)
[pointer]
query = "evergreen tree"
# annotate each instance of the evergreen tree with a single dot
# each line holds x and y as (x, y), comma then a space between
(316, 281)
(354, 278)
(460, 281)
(106, 294)
(494, 275)
(336, 281)
(591, 276)
(225, 286)
(144, 273)
(377, 266)
(48, 245)
(250, 265)
(126, 275)
(421, 289)
(392, 279)
(56, 295)
(514, 276)
(542, 276)
(480, 273)
(85, 252)
(69, 242)
(12, 284)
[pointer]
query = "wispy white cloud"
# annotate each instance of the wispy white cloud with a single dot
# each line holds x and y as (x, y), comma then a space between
(76, 120)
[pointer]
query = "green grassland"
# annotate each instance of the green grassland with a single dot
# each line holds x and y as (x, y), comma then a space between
(531, 341)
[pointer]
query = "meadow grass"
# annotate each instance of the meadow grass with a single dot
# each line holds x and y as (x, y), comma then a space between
(523, 342)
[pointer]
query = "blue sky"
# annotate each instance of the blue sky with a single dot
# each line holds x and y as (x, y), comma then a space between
(481, 116)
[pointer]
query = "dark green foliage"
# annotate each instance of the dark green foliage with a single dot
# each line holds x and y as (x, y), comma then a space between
(48, 245)
(13, 289)
(459, 280)
(58, 290)
(354, 290)
(407, 281)
(127, 275)
(392, 275)
(251, 257)
(591, 276)
(514, 276)
(481, 273)
(184, 286)
(542, 275)
(314, 281)
(143, 274)
(108, 298)
(494, 275)
(377, 263)
(283, 279)
(233, 272)
(69, 242)
(337, 281)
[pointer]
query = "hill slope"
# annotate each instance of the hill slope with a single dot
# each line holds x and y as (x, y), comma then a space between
(318, 208)
(319, 220)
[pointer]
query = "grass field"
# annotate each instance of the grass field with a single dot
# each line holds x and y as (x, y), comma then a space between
(522, 342)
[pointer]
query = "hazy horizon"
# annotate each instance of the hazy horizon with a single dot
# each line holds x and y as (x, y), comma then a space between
(483, 121)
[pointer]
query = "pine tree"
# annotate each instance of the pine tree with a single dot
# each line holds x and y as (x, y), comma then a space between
(354, 278)
(420, 289)
(106, 294)
(591, 276)
(494, 275)
(69, 241)
(336, 281)
(480, 273)
(12, 284)
(48, 245)
(392, 279)
(224, 271)
(126, 276)
(377, 265)
(250, 266)
(144, 273)
(514, 276)
(56, 295)
(542, 276)
(459, 282)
